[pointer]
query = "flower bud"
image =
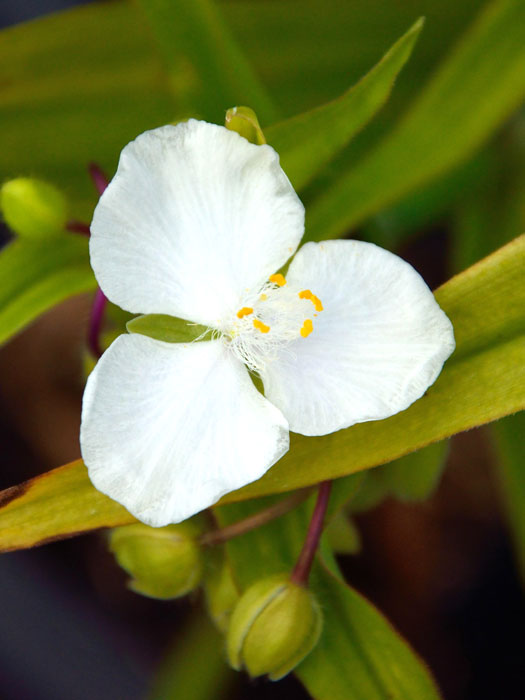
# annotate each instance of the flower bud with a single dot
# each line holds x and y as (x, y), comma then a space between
(164, 562)
(273, 627)
(244, 121)
(33, 208)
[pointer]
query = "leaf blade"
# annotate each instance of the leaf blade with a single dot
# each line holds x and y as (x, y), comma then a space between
(308, 141)
(36, 275)
(481, 382)
(196, 28)
(480, 84)
(359, 655)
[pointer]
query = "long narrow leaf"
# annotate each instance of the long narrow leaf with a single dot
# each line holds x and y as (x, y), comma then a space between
(482, 381)
(477, 88)
(308, 141)
(36, 275)
(195, 29)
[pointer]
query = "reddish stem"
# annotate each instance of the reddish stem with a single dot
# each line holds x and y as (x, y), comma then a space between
(78, 227)
(95, 322)
(302, 569)
(99, 178)
(99, 303)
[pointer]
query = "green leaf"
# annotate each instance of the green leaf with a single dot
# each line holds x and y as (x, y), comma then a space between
(195, 666)
(411, 478)
(166, 328)
(491, 211)
(415, 476)
(480, 84)
(61, 503)
(481, 382)
(359, 655)
(65, 103)
(508, 439)
(308, 141)
(196, 29)
(342, 534)
(36, 275)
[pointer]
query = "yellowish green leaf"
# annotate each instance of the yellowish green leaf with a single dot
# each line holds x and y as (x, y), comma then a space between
(61, 503)
(483, 381)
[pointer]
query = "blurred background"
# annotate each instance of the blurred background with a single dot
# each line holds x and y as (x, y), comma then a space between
(443, 571)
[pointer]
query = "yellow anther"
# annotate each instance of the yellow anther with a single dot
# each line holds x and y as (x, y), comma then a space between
(307, 294)
(307, 328)
(277, 279)
(260, 326)
(263, 297)
(245, 311)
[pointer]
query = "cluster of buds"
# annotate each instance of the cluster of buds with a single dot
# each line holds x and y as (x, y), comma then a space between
(269, 629)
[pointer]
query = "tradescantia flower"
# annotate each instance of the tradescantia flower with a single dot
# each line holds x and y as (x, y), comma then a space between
(196, 224)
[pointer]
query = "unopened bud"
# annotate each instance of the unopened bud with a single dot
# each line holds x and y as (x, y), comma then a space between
(244, 121)
(163, 562)
(275, 624)
(33, 208)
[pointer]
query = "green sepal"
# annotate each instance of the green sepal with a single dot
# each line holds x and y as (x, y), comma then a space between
(244, 121)
(168, 328)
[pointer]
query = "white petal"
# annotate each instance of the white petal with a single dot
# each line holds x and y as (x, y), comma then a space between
(380, 342)
(194, 216)
(167, 429)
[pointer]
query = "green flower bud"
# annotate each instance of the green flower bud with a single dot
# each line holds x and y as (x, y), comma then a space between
(164, 562)
(32, 208)
(273, 627)
(244, 121)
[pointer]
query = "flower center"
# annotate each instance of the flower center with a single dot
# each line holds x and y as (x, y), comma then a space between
(271, 319)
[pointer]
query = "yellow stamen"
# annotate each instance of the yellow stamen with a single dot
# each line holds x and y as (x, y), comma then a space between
(307, 328)
(263, 297)
(307, 294)
(277, 279)
(260, 326)
(245, 311)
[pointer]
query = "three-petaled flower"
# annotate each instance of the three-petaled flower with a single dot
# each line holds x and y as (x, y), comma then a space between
(197, 223)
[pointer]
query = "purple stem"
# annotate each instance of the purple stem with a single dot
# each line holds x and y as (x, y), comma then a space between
(302, 569)
(95, 322)
(99, 303)
(99, 179)
(78, 227)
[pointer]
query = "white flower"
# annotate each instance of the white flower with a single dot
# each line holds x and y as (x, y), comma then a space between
(196, 223)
